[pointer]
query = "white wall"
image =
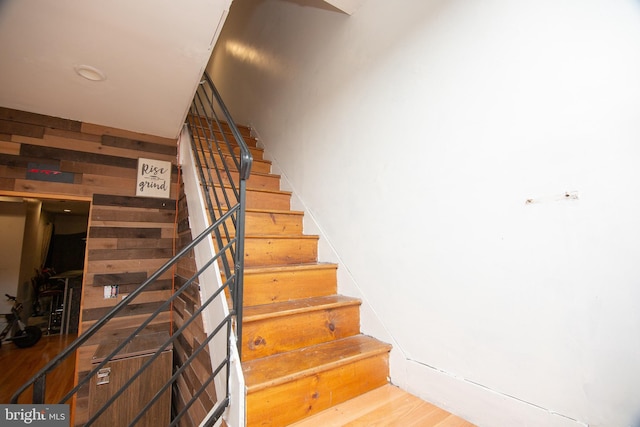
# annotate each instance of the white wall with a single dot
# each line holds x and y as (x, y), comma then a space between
(414, 132)
(31, 253)
(12, 220)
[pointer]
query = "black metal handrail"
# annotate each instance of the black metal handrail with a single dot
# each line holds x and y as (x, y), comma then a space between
(223, 175)
(39, 379)
(229, 246)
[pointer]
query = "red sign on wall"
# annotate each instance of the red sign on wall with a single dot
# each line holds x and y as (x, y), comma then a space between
(49, 173)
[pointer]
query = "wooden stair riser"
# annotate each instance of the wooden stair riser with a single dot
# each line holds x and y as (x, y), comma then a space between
(282, 223)
(264, 182)
(256, 199)
(245, 131)
(273, 335)
(283, 404)
(278, 285)
(270, 223)
(201, 136)
(268, 251)
(217, 161)
(263, 251)
(256, 153)
(257, 181)
(246, 135)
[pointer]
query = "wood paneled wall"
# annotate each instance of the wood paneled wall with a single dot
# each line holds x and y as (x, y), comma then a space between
(129, 237)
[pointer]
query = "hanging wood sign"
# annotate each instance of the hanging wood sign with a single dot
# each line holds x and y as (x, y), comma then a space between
(154, 178)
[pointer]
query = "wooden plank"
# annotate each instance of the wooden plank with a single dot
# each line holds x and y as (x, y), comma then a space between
(353, 409)
(82, 145)
(139, 202)
(273, 284)
(311, 394)
(124, 278)
(38, 119)
(72, 135)
(271, 250)
(164, 225)
(146, 253)
(317, 320)
(115, 243)
(89, 314)
(22, 162)
(387, 405)
(126, 232)
(11, 148)
(103, 130)
(201, 122)
(132, 144)
(106, 170)
(7, 184)
(124, 326)
(102, 243)
(122, 214)
(280, 369)
(94, 296)
(142, 344)
(112, 266)
(54, 188)
(162, 243)
(107, 181)
(89, 277)
(135, 397)
(157, 285)
(23, 129)
(35, 151)
(11, 172)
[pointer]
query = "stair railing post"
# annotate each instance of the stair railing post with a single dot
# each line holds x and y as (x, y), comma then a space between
(39, 389)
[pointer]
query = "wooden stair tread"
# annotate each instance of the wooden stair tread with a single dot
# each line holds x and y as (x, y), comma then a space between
(254, 151)
(285, 367)
(244, 129)
(257, 153)
(257, 190)
(266, 311)
(269, 211)
(282, 237)
(275, 211)
(386, 405)
(267, 174)
(290, 267)
(213, 160)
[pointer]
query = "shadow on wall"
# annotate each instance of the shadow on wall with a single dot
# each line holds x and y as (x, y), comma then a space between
(318, 4)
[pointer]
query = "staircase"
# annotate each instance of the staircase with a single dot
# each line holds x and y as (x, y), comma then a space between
(302, 351)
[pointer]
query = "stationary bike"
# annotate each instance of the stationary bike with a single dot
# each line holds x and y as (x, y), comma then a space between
(22, 336)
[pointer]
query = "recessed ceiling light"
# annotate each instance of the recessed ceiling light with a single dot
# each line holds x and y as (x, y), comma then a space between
(90, 73)
(66, 210)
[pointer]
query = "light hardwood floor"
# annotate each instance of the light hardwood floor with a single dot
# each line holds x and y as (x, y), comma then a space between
(384, 407)
(17, 365)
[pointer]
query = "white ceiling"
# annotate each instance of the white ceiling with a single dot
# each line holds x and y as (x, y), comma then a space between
(153, 53)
